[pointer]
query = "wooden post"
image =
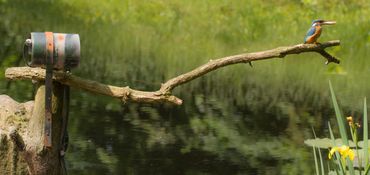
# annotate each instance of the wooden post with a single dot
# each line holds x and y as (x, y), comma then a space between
(42, 160)
(22, 148)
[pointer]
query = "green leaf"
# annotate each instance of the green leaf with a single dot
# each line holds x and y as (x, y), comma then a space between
(339, 163)
(340, 119)
(316, 164)
(321, 162)
(366, 136)
(342, 125)
(326, 143)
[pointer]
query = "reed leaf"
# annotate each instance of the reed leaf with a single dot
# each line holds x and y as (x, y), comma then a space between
(366, 135)
(338, 115)
(339, 163)
(316, 164)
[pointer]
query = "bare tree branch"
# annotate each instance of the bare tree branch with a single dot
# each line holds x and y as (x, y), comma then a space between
(248, 58)
(122, 93)
(164, 93)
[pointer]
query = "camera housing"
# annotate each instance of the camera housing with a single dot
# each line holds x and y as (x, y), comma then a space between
(66, 50)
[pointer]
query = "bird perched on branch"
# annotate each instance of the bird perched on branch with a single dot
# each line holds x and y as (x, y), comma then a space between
(315, 31)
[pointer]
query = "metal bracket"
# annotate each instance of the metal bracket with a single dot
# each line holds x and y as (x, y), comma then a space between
(48, 88)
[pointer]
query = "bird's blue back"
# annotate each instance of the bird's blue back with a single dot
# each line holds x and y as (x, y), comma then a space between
(310, 32)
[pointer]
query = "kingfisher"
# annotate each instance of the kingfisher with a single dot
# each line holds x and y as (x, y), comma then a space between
(315, 31)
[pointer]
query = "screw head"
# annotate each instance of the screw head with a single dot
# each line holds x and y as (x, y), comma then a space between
(28, 42)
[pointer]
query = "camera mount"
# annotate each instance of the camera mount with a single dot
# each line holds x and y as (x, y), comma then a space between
(51, 51)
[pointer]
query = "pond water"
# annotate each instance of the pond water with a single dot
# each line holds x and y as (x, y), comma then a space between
(203, 136)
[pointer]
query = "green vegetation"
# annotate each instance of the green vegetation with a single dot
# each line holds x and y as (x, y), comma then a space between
(142, 44)
(239, 117)
(348, 154)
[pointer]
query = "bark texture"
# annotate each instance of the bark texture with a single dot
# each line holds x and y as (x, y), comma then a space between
(22, 148)
(13, 117)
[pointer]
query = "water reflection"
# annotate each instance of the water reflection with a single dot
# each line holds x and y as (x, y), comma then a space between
(204, 136)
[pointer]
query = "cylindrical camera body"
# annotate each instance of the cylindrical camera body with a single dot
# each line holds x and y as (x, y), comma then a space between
(66, 50)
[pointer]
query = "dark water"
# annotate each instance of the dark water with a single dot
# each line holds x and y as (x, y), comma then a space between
(203, 136)
(211, 133)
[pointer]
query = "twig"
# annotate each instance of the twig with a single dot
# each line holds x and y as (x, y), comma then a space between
(164, 93)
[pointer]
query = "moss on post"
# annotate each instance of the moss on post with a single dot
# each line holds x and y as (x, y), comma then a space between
(13, 115)
(22, 148)
(42, 160)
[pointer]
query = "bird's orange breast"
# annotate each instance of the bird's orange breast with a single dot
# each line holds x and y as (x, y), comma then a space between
(313, 38)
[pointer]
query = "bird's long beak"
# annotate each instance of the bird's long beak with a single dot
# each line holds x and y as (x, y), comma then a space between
(328, 22)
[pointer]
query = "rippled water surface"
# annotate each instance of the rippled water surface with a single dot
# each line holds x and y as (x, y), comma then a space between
(199, 137)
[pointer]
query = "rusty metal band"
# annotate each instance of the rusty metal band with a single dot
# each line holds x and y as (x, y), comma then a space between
(48, 88)
(59, 50)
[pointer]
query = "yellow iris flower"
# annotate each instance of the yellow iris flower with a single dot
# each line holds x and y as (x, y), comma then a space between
(350, 123)
(350, 120)
(344, 151)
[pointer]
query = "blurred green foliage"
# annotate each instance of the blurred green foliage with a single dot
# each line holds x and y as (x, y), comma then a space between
(144, 43)
(235, 115)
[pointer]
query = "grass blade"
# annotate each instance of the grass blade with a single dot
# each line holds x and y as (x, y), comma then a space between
(316, 164)
(340, 119)
(339, 163)
(321, 162)
(366, 135)
(342, 127)
(367, 170)
(350, 166)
